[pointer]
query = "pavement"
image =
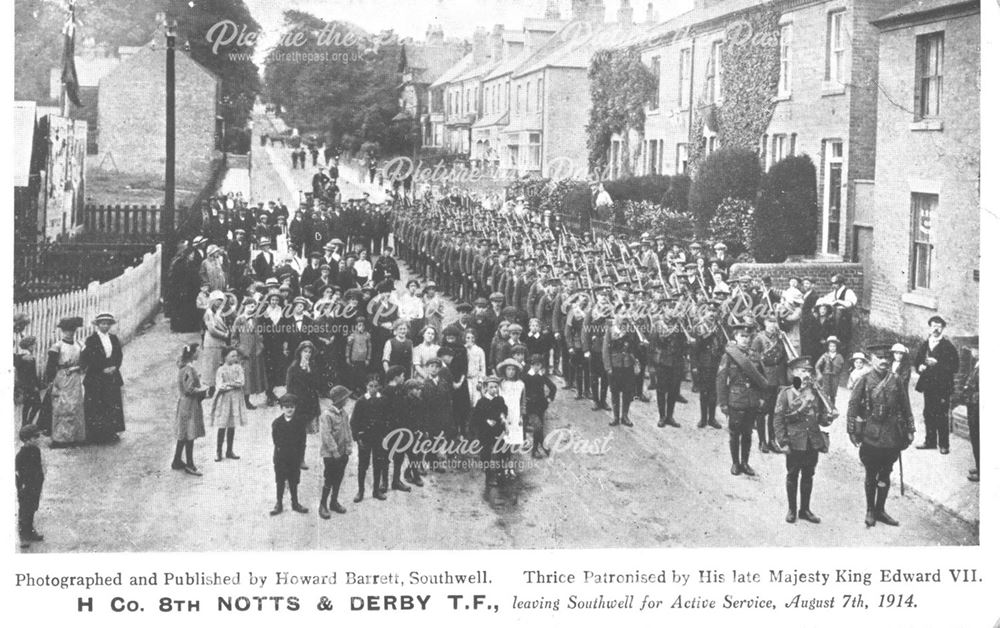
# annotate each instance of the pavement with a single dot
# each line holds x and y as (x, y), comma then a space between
(602, 486)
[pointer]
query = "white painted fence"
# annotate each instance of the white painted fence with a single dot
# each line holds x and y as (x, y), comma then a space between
(132, 297)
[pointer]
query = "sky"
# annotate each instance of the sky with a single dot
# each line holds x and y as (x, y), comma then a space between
(458, 18)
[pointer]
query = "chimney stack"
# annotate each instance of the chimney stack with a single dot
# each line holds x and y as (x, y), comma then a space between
(480, 47)
(435, 34)
(496, 43)
(625, 14)
(652, 15)
(552, 10)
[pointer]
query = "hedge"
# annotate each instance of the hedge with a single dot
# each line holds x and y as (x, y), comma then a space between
(785, 223)
(728, 173)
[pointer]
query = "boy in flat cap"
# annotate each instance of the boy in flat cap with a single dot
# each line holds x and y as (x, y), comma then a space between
(29, 475)
(289, 437)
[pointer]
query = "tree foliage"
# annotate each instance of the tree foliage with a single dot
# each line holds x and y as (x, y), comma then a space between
(726, 173)
(353, 94)
(785, 223)
(38, 41)
(733, 224)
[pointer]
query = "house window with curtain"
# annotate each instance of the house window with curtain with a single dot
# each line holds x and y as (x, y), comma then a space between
(930, 74)
(538, 96)
(923, 208)
(527, 96)
(785, 60)
(836, 47)
(684, 88)
(654, 67)
(534, 150)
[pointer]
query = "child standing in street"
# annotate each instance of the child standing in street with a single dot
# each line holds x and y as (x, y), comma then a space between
(359, 355)
(27, 387)
(335, 435)
(229, 405)
(490, 415)
(829, 367)
(29, 474)
(289, 438)
(190, 421)
(539, 392)
(859, 366)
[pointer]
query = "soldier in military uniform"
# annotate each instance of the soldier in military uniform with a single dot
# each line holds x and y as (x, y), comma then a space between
(621, 363)
(592, 345)
(741, 386)
(880, 424)
(706, 353)
(668, 345)
(769, 346)
(799, 415)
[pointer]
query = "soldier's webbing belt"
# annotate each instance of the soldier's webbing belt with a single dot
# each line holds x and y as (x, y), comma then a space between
(748, 369)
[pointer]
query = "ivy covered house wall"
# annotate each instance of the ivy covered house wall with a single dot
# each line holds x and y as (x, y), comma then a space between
(778, 78)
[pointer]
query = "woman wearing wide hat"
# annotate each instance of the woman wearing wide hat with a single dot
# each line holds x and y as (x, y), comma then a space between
(216, 339)
(63, 410)
(102, 382)
(304, 379)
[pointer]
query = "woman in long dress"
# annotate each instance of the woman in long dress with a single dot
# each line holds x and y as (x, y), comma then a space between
(102, 382)
(248, 339)
(228, 408)
(65, 376)
(476, 369)
(216, 339)
(189, 421)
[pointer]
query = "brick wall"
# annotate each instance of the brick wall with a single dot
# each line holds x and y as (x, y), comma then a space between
(131, 115)
(941, 162)
(820, 273)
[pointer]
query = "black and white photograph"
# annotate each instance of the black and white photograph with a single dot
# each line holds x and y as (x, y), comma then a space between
(588, 276)
(293, 275)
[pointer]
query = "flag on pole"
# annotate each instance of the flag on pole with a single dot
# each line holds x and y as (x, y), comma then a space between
(69, 78)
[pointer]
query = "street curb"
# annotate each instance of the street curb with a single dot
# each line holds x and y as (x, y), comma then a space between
(941, 506)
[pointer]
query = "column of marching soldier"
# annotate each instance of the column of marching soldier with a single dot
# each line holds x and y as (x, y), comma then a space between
(600, 312)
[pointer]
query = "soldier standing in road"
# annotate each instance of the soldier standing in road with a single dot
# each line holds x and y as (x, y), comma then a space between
(769, 346)
(880, 423)
(741, 386)
(706, 353)
(798, 417)
(669, 346)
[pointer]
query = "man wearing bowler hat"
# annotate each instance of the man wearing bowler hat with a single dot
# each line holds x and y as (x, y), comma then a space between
(936, 362)
(880, 424)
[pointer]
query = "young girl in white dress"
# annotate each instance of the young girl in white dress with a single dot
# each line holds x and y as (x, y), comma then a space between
(228, 406)
(512, 391)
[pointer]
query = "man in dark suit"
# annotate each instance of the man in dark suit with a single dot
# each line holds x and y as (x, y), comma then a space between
(263, 263)
(936, 362)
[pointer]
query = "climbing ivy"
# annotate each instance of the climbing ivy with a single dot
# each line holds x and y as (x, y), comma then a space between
(620, 88)
(750, 72)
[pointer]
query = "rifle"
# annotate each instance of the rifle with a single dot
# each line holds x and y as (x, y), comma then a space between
(789, 348)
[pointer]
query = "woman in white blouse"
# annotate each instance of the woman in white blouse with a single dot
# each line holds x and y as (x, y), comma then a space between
(477, 366)
(425, 351)
(363, 268)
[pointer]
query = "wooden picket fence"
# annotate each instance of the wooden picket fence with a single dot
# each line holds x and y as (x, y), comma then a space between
(132, 297)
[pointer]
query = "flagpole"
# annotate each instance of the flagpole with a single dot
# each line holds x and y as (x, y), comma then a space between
(63, 98)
